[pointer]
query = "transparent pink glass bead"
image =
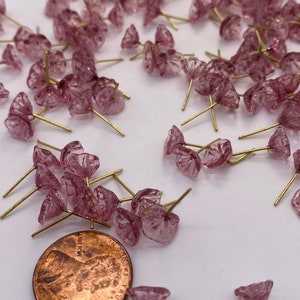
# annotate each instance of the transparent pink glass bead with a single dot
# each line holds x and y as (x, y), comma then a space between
(226, 95)
(45, 157)
(174, 140)
(148, 293)
(163, 37)
(92, 35)
(18, 127)
(70, 87)
(231, 27)
(131, 6)
(92, 6)
(71, 186)
(149, 57)
(192, 67)
(289, 81)
(152, 11)
(279, 144)
(106, 203)
(296, 157)
(143, 199)
(82, 104)
(253, 98)
(84, 164)
(35, 46)
(115, 16)
(83, 64)
(45, 179)
(168, 63)
(159, 225)
(65, 26)
(11, 58)
(101, 83)
(52, 206)
(109, 101)
(85, 204)
(197, 11)
(290, 63)
(4, 93)
(290, 115)
(54, 7)
(255, 291)
(188, 162)
(20, 37)
(217, 154)
(296, 202)
(131, 39)
(36, 78)
(73, 147)
(207, 83)
(277, 49)
(260, 68)
(21, 105)
(2, 7)
(127, 226)
(57, 63)
(48, 96)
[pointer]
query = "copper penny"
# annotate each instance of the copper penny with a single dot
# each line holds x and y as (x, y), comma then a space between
(83, 265)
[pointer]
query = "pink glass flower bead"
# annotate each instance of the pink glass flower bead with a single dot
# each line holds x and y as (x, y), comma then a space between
(159, 225)
(143, 199)
(131, 39)
(52, 206)
(127, 226)
(217, 154)
(174, 140)
(188, 162)
(19, 128)
(148, 293)
(279, 144)
(296, 202)
(255, 291)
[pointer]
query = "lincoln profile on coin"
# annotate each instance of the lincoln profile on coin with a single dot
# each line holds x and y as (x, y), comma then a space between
(63, 275)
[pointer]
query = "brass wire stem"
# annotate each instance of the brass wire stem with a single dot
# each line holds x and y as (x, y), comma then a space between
(8, 211)
(250, 151)
(175, 17)
(108, 60)
(48, 145)
(169, 19)
(187, 96)
(198, 114)
(12, 20)
(213, 115)
(68, 214)
(116, 178)
(40, 112)
(176, 202)
(126, 199)
(52, 122)
(218, 14)
(115, 90)
(193, 145)
(285, 189)
(19, 181)
(258, 131)
(135, 56)
(6, 41)
(236, 161)
(207, 146)
(52, 224)
(105, 176)
(108, 122)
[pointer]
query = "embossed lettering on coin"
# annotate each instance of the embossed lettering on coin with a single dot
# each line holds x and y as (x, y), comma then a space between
(83, 265)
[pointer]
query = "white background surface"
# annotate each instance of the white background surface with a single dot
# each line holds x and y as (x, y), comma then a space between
(230, 233)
